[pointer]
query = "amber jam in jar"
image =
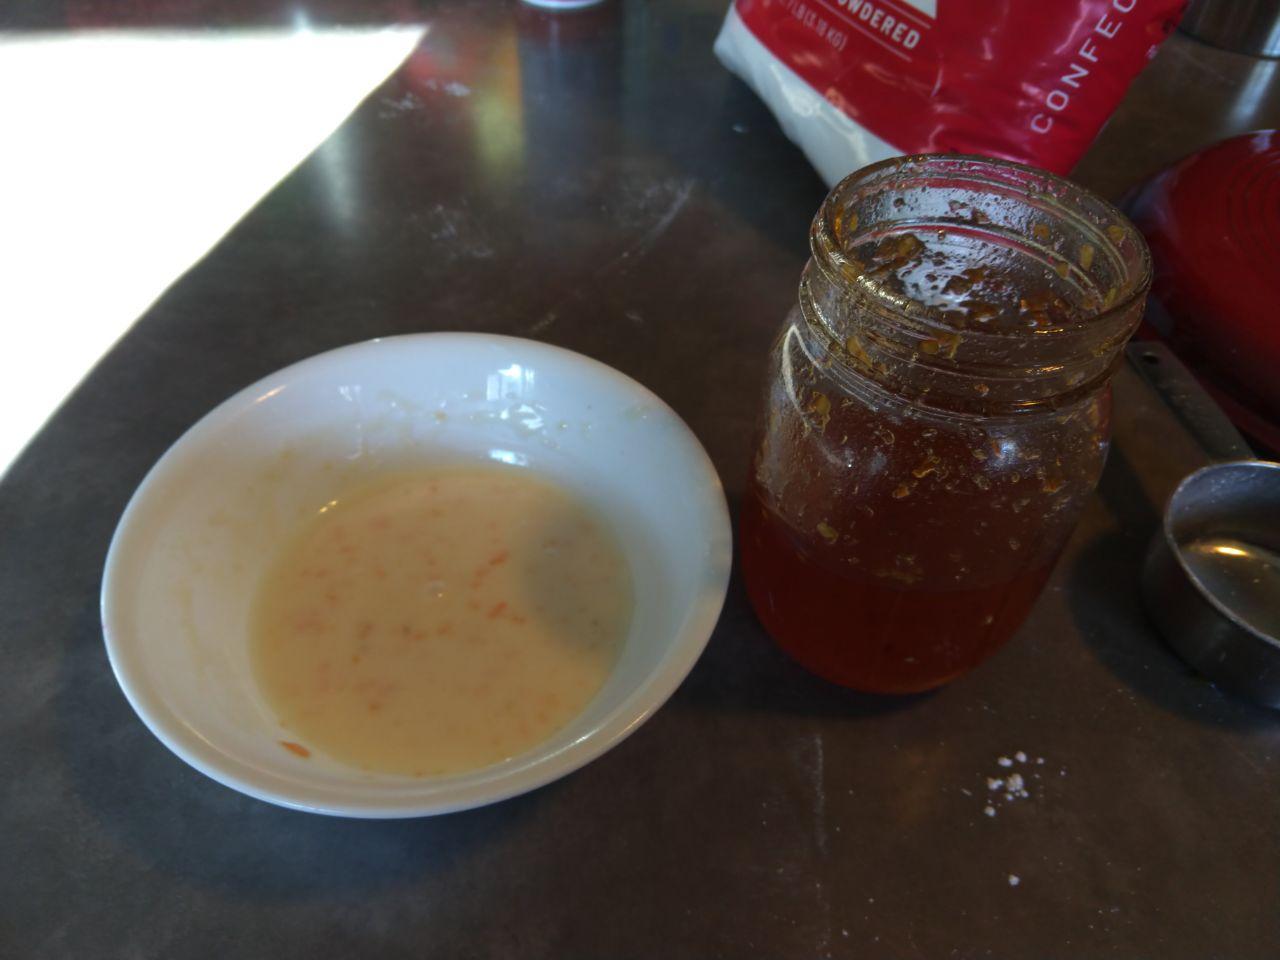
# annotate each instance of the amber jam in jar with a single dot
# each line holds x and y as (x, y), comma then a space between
(936, 414)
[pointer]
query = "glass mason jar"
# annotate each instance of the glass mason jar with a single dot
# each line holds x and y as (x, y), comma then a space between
(936, 414)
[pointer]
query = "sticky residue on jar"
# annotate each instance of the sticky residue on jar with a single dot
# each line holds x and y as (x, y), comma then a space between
(969, 282)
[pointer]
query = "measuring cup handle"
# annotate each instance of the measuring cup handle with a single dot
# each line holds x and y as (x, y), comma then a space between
(1182, 392)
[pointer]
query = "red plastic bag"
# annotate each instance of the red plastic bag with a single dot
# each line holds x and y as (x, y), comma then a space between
(854, 81)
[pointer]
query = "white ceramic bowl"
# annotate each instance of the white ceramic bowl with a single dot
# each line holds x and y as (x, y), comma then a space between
(205, 523)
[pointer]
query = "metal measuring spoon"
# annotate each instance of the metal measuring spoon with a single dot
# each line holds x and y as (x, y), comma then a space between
(1211, 581)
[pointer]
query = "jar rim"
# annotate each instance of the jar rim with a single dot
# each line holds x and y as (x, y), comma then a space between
(829, 251)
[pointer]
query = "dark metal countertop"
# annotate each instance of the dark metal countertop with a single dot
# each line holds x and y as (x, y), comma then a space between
(636, 203)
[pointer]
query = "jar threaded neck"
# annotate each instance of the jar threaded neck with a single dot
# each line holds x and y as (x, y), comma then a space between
(973, 284)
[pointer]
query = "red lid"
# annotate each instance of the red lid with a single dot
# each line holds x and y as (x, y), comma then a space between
(1213, 223)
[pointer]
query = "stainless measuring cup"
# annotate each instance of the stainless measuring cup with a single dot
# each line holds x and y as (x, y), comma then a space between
(1211, 581)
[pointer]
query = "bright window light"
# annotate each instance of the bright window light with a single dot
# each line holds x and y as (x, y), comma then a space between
(128, 155)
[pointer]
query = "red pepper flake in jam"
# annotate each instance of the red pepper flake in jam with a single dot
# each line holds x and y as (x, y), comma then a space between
(853, 346)
(926, 466)
(820, 407)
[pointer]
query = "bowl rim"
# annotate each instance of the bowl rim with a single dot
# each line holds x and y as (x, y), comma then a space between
(448, 794)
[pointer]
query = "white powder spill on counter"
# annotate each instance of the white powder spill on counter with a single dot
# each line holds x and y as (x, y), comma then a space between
(1016, 787)
(452, 87)
(392, 105)
(1009, 786)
